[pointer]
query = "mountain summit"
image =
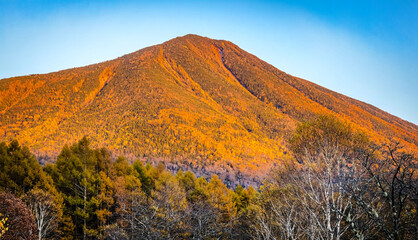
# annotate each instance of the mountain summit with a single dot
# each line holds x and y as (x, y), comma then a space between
(195, 102)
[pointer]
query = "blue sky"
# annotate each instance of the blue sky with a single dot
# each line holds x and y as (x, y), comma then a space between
(367, 50)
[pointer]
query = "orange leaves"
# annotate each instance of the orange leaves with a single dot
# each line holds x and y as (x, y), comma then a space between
(78, 85)
(191, 98)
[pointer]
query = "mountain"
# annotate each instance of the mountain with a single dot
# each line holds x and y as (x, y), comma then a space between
(193, 102)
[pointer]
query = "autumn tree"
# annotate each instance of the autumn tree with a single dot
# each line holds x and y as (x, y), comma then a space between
(171, 201)
(203, 217)
(244, 199)
(147, 182)
(46, 212)
(221, 198)
(20, 221)
(87, 195)
(128, 195)
(104, 188)
(325, 149)
(156, 211)
(277, 213)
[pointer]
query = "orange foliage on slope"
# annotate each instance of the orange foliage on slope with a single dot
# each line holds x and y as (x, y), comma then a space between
(197, 102)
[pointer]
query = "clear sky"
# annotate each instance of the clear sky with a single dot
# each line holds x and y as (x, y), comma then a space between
(365, 49)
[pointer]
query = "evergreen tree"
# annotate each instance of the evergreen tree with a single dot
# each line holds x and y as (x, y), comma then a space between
(147, 182)
(82, 175)
(20, 172)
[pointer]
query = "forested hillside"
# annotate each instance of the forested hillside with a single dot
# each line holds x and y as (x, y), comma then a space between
(338, 186)
(200, 104)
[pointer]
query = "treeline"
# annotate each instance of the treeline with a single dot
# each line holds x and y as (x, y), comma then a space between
(337, 186)
(87, 195)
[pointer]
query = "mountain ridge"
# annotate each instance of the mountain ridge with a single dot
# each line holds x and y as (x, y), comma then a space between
(192, 101)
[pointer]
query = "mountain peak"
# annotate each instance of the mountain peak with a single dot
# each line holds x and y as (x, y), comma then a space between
(196, 40)
(194, 37)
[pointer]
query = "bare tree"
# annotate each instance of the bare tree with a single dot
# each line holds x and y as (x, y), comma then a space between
(385, 190)
(203, 220)
(323, 195)
(263, 226)
(276, 214)
(317, 192)
(287, 211)
(134, 212)
(324, 150)
(137, 215)
(351, 189)
(45, 210)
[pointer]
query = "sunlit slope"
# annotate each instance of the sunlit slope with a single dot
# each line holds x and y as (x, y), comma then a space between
(192, 100)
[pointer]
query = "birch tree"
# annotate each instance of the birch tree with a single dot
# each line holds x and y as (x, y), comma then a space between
(277, 213)
(325, 149)
(45, 211)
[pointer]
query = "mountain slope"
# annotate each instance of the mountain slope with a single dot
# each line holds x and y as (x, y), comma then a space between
(194, 101)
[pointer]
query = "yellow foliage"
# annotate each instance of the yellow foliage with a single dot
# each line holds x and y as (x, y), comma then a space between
(3, 225)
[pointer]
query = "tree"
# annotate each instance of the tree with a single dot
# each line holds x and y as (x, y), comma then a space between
(243, 197)
(325, 149)
(244, 201)
(204, 218)
(306, 198)
(383, 185)
(344, 186)
(104, 187)
(277, 214)
(82, 175)
(221, 198)
(20, 171)
(46, 212)
(170, 200)
(147, 182)
(121, 167)
(130, 208)
(21, 222)
(152, 213)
